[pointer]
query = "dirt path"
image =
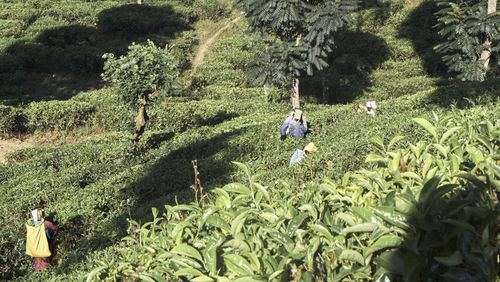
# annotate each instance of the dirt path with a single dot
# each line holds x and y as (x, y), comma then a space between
(205, 46)
(14, 144)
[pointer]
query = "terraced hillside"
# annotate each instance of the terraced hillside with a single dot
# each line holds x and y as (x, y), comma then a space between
(348, 211)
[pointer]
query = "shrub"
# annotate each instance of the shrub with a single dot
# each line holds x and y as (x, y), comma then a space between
(141, 19)
(214, 10)
(57, 115)
(431, 201)
(10, 27)
(12, 120)
(111, 112)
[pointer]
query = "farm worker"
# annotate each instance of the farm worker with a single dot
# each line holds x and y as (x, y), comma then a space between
(371, 108)
(292, 126)
(42, 264)
(299, 154)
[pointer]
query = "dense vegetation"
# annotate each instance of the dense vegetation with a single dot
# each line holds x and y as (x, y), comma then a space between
(368, 204)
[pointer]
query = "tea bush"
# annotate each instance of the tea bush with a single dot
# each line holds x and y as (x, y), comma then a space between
(64, 178)
(429, 202)
(57, 115)
(335, 214)
(12, 120)
(227, 65)
(213, 10)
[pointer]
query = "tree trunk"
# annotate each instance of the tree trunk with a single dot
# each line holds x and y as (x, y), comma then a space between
(324, 98)
(266, 91)
(295, 93)
(266, 84)
(295, 83)
(140, 122)
(486, 54)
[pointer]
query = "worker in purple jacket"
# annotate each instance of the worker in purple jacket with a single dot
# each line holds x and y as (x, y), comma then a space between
(292, 126)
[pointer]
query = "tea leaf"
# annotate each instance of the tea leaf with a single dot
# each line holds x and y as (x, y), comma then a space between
(219, 222)
(323, 231)
(239, 263)
(427, 126)
(448, 133)
(186, 250)
(187, 272)
(237, 188)
(394, 141)
(362, 227)
(238, 222)
(243, 167)
(451, 260)
(386, 241)
(351, 255)
(311, 251)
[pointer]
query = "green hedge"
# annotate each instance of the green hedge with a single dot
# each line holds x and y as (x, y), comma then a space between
(12, 120)
(57, 115)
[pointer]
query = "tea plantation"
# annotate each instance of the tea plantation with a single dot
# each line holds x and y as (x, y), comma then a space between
(208, 195)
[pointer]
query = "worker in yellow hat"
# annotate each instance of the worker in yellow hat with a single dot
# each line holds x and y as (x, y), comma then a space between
(299, 154)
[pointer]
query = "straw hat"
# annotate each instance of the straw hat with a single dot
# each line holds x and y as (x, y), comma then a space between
(310, 148)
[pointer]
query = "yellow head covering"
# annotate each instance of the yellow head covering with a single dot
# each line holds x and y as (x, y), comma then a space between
(310, 147)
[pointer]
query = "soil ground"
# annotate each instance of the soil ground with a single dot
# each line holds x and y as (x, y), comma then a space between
(14, 144)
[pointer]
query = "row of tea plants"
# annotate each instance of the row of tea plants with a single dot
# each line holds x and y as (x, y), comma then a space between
(426, 210)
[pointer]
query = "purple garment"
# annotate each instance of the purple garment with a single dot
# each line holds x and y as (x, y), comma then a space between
(42, 264)
(293, 127)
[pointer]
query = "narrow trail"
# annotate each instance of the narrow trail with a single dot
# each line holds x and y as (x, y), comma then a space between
(13, 144)
(205, 46)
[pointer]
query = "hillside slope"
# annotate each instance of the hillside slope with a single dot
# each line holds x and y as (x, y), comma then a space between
(94, 190)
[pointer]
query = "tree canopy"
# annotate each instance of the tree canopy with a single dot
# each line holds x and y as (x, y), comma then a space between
(470, 32)
(143, 70)
(303, 31)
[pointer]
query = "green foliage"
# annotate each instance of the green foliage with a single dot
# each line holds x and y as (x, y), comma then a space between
(111, 112)
(466, 25)
(53, 49)
(305, 31)
(144, 70)
(431, 202)
(214, 10)
(57, 115)
(12, 120)
(228, 62)
(64, 178)
(90, 187)
(147, 19)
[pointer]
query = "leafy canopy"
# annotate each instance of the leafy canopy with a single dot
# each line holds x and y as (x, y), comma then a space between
(304, 28)
(466, 26)
(143, 70)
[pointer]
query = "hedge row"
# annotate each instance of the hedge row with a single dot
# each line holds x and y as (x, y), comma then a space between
(44, 116)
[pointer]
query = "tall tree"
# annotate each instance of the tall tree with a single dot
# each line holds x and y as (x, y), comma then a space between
(470, 29)
(263, 71)
(304, 30)
(486, 54)
(141, 74)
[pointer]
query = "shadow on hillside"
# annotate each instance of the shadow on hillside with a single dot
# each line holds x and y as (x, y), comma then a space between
(173, 175)
(465, 94)
(356, 55)
(418, 27)
(62, 61)
(166, 181)
(380, 11)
